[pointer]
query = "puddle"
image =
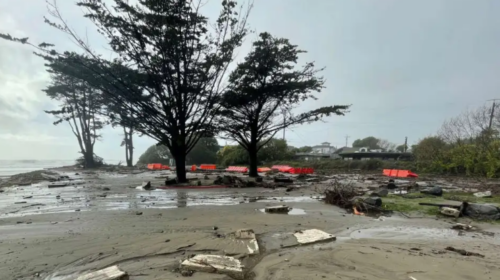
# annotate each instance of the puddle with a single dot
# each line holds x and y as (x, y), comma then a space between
(294, 211)
(44, 200)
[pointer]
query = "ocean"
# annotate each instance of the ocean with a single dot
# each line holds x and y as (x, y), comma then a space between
(12, 167)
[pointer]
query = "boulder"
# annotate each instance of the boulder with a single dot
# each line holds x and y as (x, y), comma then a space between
(391, 186)
(380, 193)
(437, 191)
(448, 211)
(481, 211)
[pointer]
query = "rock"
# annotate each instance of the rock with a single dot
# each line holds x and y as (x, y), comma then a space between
(278, 209)
(259, 179)
(391, 186)
(106, 189)
(199, 183)
(437, 191)
(146, 185)
(373, 201)
(481, 211)
(245, 234)
(138, 213)
(380, 193)
(252, 199)
(483, 194)
(462, 227)
(452, 212)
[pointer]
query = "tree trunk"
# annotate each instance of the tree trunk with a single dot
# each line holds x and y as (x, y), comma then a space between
(252, 153)
(180, 167)
(88, 157)
(130, 161)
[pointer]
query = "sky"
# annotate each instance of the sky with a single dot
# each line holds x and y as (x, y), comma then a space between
(404, 66)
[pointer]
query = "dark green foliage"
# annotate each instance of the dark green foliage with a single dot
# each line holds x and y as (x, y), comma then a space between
(273, 150)
(205, 151)
(266, 87)
(79, 105)
(369, 142)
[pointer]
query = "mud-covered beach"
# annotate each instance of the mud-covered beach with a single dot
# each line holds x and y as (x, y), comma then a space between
(102, 219)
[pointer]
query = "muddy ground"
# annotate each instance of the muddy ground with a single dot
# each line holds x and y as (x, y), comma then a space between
(59, 233)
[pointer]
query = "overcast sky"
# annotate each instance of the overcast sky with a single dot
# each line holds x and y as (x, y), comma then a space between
(405, 66)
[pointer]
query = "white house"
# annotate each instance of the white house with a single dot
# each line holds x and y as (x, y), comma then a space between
(323, 148)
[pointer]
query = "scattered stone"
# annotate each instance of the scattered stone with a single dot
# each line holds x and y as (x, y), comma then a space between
(106, 189)
(437, 191)
(109, 273)
(215, 264)
(259, 179)
(278, 209)
(252, 199)
(215, 228)
(312, 236)
(380, 193)
(199, 183)
(57, 185)
(462, 227)
(27, 197)
(481, 211)
(20, 202)
(168, 240)
(391, 186)
(485, 194)
(138, 213)
(452, 212)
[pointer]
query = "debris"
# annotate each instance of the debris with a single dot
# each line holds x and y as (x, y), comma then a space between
(109, 273)
(58, 185)
(437, 191)
(138, 213)
(391, 185)
(278, 209)
(259, 179)
(452, 212)
(245, 234)
(485, 194)
(312, 236)
(215, 264)
(463, 252)
(373, 201)
(282, 180)
(380, 193)
(20, 202)
(462, 227)
(147, 185)
(341, 195)
(481, 211)
(27, 197)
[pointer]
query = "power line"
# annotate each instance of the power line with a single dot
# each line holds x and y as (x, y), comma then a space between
(346, 139)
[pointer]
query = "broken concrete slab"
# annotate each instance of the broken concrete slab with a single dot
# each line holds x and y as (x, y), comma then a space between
(253, 247)
(215, 264)
(485, 194)
(310, 236)
(245, 234)
(452, 212)
(109, 273)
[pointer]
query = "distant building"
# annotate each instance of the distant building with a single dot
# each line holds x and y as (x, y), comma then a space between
(365, 153)
(322, 151)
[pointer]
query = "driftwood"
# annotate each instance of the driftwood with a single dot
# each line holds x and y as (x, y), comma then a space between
(464, 253)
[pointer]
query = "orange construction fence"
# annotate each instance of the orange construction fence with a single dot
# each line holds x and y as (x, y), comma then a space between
(207, 167)
(237, 169)
(399, 173)
(158, 166)
(281, 168)
(263, 169)
(193, 168)
(301, 170)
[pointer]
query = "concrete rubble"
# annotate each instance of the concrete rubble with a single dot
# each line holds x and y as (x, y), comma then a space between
(248, 236)
(215, 264)
(109, 273)
(310, 236)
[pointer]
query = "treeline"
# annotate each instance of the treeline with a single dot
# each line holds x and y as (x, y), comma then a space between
(170, 78)
(468, 144)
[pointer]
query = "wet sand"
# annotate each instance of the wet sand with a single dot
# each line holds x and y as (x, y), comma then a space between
(46, 238)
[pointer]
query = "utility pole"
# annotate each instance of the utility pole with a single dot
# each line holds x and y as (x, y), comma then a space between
(492, 112)
(406, 144)
(346, 139)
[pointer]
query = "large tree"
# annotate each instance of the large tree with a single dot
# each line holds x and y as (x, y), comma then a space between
(264, 89)
(183, 63)
(79, 105)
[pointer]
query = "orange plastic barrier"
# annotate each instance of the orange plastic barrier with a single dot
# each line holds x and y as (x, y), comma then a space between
(237, 169)
(155, 166)
(165, 167)
(193, 168)
(281, 168)
(263, 169)
(207, 167)
(301, 170)
(399, 173)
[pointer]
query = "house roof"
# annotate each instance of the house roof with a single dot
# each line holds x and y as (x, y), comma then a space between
(346, 150)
